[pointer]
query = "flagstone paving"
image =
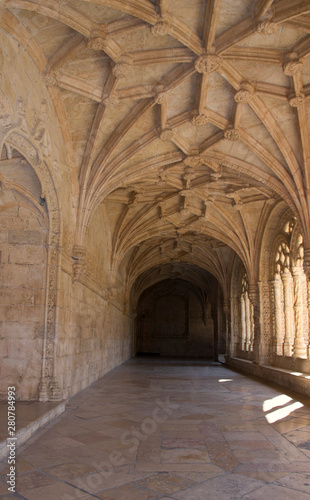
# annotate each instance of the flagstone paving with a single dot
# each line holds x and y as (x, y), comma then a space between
(170, 429)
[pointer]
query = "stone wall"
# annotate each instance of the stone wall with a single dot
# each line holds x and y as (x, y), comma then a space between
(93, 336)
(23, 237)
(172, 322)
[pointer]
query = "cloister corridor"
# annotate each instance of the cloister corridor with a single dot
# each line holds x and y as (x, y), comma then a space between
(168, 428)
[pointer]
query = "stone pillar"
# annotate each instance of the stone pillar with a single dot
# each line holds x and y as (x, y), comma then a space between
(226, 309)
(307, 273)
(288, 312)
(49, 389)
(278, 312)
(243, 324)
(247, 323)
(79, 258)
(299, 349)
(254, 298)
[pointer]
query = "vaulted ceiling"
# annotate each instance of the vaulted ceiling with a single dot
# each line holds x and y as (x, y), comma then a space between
(187, 119)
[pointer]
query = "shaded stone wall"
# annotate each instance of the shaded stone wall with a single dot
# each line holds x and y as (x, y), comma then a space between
(23, 236)
(172, 322)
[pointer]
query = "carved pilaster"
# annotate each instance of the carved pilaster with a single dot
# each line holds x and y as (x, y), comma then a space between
(255, 313)
(278, 333)
(288, 311)
(247, 323)
(226, 309)
(49, 390)
(79, 261)
(292, 64)
(299, 349)
(243, 325)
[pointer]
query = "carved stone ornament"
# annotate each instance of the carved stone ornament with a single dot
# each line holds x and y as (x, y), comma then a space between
(194, 161)
(161, 28)
(166, 135)
(243, 96)
(51, 79)
(161, 98)
(207, 63)
(111, 100)
(231, 134)
(98, 40)
(246, 92)
(307, 262)
(296, 100)
(79, 264)
(199, 120)
(292, 64)
(267, 27)
(122, 70)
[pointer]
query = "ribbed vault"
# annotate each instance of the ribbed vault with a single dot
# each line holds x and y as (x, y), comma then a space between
(185, 120)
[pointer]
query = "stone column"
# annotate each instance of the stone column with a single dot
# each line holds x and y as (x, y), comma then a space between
(299, 349)
(247, 322)
(254, 298)
(307, 273)
(288, 312)
(243, 325)
(49, 389)
(278, 312)
(226, 309)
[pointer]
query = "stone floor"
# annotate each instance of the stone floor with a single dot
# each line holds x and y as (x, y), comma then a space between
(170, 429)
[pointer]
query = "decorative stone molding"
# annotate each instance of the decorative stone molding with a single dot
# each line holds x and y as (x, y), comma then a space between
(112, 292)
(110, 100)
(161, 28)
(79, 264)
(245, 94)
(188, 176)
(194, 161)
(231, 134)
(306, 263)
(98, 40)
(161, 98)
(295, 100)
(292, 64)
(267, 27)
(207, 63)
(40, 131)
(299, 348)
(51, 79)
(167, 134)
(200, 119)
(49, 389)
(122, 70)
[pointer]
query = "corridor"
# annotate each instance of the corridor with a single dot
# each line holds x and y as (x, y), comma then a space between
(159, 428)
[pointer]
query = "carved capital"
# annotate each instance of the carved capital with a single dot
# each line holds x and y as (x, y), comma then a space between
(246, 92)
(199, 119)
(79, 261)
(307, 262)
(51, 79)
(194, 161)
(161, 98)
(110, 100)
(267, 27)
(253, 292)
(292, 64)
(98, 40)
(111, 294)
(231, 134)
(207, 63)
(166, 135)
(161, 28)
(296, 100)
